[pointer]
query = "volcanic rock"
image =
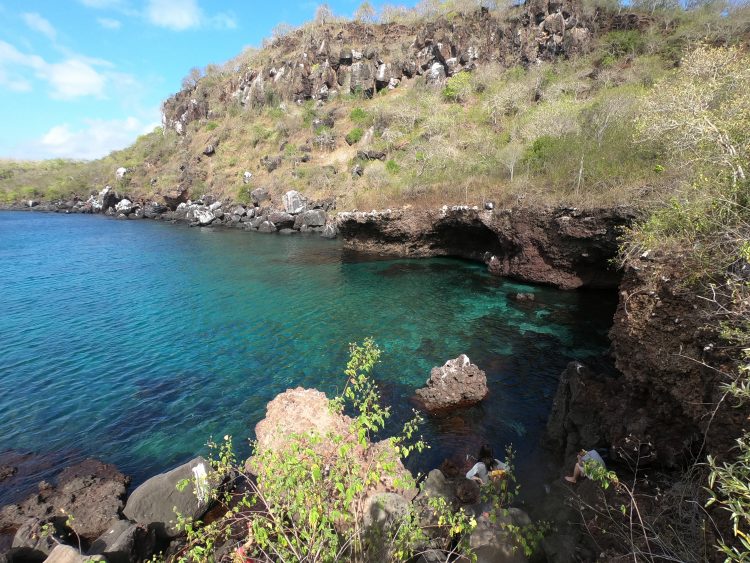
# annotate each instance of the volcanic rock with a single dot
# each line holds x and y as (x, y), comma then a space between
(458, 383)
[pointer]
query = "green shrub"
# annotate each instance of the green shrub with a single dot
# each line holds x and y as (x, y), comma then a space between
(620, 43)
(307, 499)
(211, 125)
(359, 116)
(392, 167)
(458, 87)
(354, 136)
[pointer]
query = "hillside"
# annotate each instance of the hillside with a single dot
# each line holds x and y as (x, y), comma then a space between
(535, 103)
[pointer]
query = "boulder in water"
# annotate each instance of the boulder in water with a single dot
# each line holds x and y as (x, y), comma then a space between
(458, 383)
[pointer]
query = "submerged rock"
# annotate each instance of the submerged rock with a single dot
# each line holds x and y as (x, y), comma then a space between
(458, 383)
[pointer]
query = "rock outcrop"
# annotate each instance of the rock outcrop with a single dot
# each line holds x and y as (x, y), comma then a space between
(358, 58)
(661, 406)
(458, 383)
(303, 411)
(91, 491)
(564, 247)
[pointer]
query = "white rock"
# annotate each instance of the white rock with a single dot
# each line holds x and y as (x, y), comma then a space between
(120, 173)
(204, 216)
(125, 207)
(214, 206)
(247, 176)
(294, 202)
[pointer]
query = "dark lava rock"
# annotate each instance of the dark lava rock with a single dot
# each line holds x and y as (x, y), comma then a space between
(281, 219)
(124, 542)
(371, 155)
(259, 195)
(156, 501)
(91, 491)
(458, 383)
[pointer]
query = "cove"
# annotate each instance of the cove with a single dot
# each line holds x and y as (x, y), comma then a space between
(135, 341)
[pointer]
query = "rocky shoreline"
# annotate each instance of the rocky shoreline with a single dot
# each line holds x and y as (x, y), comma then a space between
(662, 397)
(564, 247)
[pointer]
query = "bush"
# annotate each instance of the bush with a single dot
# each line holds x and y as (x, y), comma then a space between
(307, 500)
(359, 116)
(458, 87)
(354, 136)
(392, 167)
(211, 125)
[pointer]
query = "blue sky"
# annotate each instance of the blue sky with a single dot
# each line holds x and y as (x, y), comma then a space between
(80, 78)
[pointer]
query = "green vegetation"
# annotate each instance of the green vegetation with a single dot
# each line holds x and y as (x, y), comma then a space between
(354, 136)
(308, 500)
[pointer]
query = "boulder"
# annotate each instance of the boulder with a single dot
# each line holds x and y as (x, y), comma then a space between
(281, 220)
(108, 198)
(247, 176)
(294, 202)
(91, 491)
(204, 216)
(259, 195)
(156, 502)
(310, 218)
(125, 542)
(120, 172)
(154, 209)
(458, 383)
(239, 211)
(330, 231)
(491, 540)
(266, 226)
(209, 150)
(271, 163)
(67, 554)
(174, 198)
(215, 205)
(124, 206)
(37, 537)
(371, 155)
(302, 411)
(435, 74)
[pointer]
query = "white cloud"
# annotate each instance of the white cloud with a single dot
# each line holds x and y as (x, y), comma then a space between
(95, 139)
(74, 77)
(180, 15)
(101, 4)
(174, 14)
(109, 23)
(38, 23)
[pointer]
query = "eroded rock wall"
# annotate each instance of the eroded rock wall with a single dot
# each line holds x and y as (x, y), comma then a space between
(565, 247)
(662, 407)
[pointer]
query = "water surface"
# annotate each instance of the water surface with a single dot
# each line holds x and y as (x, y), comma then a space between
(135, 341)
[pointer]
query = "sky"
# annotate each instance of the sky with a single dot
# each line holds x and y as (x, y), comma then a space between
(80, 78)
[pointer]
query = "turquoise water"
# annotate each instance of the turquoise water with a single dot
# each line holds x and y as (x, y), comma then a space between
(135, 341)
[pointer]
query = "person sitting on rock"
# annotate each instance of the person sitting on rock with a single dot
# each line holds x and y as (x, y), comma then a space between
(485, 465)
(584, 457)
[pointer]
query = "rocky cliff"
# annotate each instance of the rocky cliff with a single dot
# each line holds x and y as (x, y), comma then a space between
(667, 403)
(351, 57)
(564, 247)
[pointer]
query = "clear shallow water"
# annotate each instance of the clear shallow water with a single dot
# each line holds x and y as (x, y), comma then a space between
(135, 341)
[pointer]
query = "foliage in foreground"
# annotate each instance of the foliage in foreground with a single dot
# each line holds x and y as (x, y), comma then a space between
(308, 501)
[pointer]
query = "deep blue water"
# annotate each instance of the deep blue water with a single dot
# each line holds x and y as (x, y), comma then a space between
(135, 341)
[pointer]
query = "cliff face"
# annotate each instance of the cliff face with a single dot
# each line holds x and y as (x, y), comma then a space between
(664, 400)
(564, 247)
(332, 59)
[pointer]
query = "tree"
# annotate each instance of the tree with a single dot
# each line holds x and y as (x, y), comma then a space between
(323, 14)
(365, 13)
(702, 114)
(510, 155)
(191, 80)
